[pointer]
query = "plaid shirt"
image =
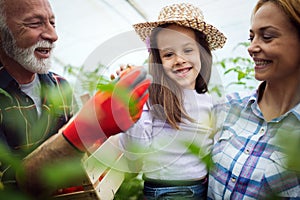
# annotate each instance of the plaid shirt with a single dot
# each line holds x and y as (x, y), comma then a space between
(250, 162)
(21, 129)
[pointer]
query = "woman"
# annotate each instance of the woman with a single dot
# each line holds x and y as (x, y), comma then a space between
(250, 163)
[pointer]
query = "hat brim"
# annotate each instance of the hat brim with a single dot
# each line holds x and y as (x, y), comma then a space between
(214, 37)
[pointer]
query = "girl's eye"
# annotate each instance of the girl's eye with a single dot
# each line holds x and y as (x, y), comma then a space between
(188, 50)
(168, 55)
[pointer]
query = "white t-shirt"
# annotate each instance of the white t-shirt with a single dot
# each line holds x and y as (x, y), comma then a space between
(33, 90)
(165, 151)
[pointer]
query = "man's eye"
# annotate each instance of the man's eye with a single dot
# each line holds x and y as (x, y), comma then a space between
(53, 24)
(34, 24)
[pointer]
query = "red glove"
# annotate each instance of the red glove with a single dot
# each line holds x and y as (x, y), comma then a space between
(109, 112)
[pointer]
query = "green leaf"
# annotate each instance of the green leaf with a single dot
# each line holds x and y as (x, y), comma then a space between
(63, 173)
(198, 151)
(241, 75)
(6, 94)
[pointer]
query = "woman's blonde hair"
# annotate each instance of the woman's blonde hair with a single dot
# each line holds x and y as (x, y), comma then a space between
(165, 95)
(290, 7)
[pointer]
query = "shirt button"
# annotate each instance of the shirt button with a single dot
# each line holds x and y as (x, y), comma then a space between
(262, 130)
(233, 179)
(247, 151)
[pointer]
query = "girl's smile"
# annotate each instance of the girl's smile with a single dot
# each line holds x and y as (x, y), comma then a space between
(180, 55)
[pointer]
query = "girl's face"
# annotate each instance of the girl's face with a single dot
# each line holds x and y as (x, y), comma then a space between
(180, 55)
(275, 45)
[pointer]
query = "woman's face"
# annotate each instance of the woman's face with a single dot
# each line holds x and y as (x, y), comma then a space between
(275, 45)
(180, 56)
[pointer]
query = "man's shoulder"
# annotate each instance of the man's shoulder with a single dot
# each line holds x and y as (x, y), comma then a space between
(5, 78)
(53, 78)
(56, 77)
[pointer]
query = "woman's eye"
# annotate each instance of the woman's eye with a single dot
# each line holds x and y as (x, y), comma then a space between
(267, 37)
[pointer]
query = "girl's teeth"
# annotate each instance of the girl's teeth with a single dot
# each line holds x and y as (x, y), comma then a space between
(182, 71)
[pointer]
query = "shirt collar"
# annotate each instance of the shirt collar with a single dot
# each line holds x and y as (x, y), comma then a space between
(6, 78)
(256, 95)
(296, 111)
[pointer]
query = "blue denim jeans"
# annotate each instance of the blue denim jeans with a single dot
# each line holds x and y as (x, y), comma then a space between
(191, 192)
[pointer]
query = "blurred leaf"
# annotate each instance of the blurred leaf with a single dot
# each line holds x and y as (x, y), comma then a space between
(119, 93)
(198, 151)
(216, 89)
(229, 70)
(5, 93)
(290, 143)
(241, 75)
(131, 188)
(63, 173)
(6, 156)
(8, 194)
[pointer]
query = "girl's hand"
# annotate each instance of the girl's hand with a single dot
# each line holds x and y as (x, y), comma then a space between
(122, 71)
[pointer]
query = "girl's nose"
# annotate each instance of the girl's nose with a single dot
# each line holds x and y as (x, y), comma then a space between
(180, 59)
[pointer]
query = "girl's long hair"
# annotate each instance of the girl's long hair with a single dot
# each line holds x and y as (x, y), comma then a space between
(165, 95)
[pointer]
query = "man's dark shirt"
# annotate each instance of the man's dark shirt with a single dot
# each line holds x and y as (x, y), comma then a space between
(21, 129)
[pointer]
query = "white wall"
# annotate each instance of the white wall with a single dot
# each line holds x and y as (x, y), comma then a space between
(84, 25)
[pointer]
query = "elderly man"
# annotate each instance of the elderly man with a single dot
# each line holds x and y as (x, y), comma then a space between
(36, 105)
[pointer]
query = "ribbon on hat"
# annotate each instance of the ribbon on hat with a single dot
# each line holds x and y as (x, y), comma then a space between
(147, 41)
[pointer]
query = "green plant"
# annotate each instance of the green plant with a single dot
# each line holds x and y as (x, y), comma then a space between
(131, 188)
(239, 70)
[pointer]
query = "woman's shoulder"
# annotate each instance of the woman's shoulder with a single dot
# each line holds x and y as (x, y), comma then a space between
(240, 96)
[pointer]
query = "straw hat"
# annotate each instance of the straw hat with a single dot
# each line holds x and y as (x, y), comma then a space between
(187, 15)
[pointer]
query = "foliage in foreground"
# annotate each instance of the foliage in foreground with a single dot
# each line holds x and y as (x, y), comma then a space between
(131, 189)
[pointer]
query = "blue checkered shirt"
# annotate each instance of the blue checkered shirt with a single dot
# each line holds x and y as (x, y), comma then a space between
(250, 162)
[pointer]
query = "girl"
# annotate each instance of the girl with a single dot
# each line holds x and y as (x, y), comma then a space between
(178, 116)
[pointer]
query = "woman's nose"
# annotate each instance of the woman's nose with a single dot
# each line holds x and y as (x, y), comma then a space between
(254, 47)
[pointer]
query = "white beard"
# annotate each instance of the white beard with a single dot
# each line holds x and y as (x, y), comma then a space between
(25, 56)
